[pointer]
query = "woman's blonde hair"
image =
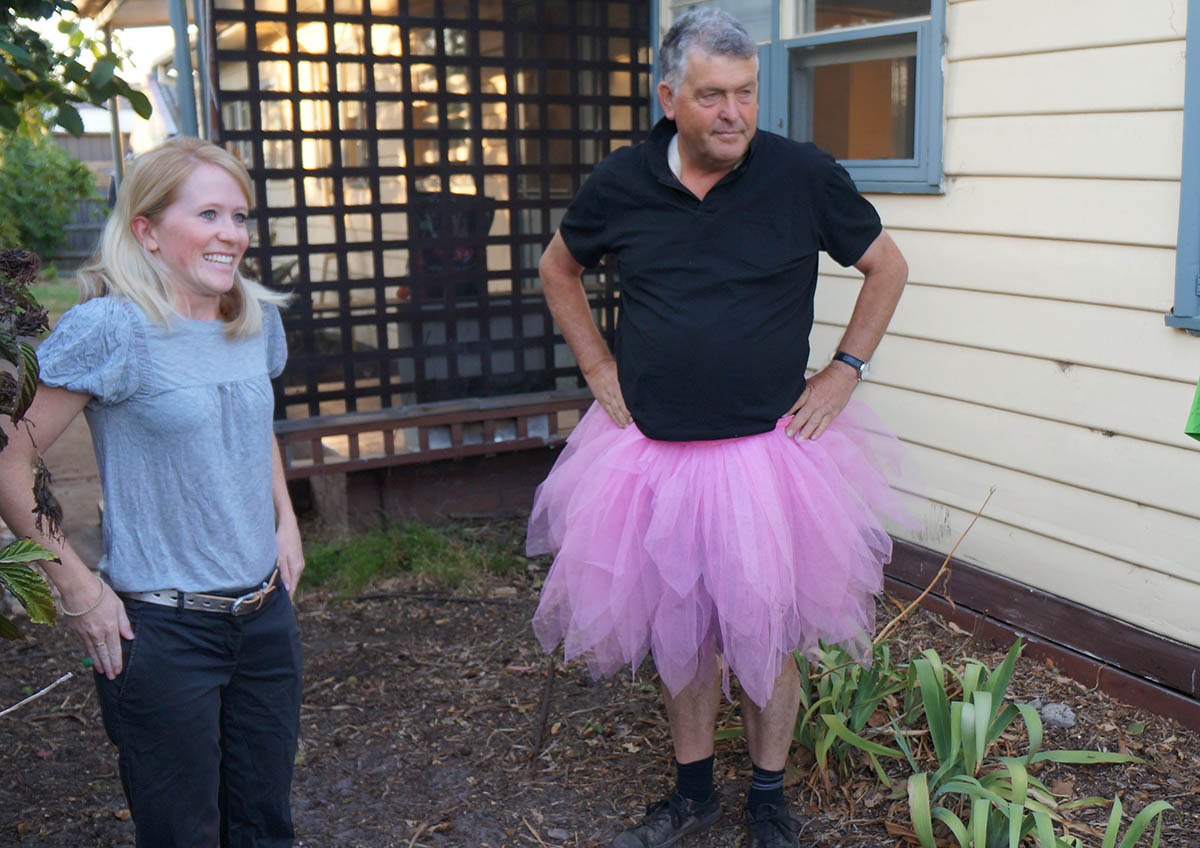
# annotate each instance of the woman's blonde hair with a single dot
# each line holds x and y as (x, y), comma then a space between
(122, 266)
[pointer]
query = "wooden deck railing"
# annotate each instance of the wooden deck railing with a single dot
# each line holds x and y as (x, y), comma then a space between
(426, 432)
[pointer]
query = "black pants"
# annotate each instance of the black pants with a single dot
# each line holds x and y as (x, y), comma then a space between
(205, 716)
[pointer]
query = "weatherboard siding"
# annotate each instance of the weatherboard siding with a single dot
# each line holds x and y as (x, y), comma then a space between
(1029, 352)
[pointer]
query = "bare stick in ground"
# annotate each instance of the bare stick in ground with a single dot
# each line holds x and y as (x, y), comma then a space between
(543, 713)
(891, 625)
(37, 695)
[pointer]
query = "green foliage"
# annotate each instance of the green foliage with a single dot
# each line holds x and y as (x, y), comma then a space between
(448, 556)
(840, 700)
(39, 85)
(41, 185)
(1152, 813)
(962, 790)
(983, 799)
(1003, 820)
(26, 585)
(21, 318)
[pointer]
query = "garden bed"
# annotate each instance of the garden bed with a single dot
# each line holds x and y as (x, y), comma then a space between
(430, 719)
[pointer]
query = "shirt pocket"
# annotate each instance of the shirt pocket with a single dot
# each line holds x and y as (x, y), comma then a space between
(767, 242)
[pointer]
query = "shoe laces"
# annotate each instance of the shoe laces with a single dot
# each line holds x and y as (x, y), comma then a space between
(674, 806)
(776, 816)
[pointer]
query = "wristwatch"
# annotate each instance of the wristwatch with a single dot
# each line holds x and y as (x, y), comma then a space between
(854, 362)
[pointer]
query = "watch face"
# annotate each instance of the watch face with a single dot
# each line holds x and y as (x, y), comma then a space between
(862, 372)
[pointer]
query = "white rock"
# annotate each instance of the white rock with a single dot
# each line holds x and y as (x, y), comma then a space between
(1058, 715)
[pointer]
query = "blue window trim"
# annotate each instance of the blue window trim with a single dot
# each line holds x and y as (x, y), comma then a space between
(921, 175)
(1186, 313)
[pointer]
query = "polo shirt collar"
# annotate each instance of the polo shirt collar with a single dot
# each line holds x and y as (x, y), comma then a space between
(656, 154)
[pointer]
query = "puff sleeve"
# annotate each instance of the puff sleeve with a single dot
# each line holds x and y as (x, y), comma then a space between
(95, 349)
(276, 341)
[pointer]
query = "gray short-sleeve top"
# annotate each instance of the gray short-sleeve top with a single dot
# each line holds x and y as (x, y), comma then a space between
(181, 424)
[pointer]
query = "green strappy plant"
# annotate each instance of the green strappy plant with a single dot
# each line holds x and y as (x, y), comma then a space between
(842, 695)
(985, 799)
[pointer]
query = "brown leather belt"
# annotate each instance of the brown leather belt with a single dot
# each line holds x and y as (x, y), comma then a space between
(251, 601)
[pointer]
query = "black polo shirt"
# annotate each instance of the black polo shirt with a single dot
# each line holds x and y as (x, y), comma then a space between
(716, 295)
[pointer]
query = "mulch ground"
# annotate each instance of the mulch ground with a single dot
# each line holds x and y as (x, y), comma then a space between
(433, 719)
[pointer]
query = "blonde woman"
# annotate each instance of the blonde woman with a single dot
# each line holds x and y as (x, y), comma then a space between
(189, 623)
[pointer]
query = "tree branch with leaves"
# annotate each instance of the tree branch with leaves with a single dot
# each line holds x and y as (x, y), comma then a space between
(41, 85)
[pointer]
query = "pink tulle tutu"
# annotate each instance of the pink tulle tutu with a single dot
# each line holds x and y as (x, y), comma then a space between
(748, 547)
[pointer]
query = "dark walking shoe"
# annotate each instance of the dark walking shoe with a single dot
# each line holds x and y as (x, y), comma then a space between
(773, 827)
(669, 820)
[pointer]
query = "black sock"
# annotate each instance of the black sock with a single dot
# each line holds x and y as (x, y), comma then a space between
(766, 787)
(695, 780)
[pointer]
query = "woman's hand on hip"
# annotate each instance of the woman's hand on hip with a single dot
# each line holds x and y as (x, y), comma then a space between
(101, 630)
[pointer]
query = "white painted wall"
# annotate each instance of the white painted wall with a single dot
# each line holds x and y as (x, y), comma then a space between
(1029, 352)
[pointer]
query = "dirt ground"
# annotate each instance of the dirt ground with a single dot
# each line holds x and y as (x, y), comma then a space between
(433, 719)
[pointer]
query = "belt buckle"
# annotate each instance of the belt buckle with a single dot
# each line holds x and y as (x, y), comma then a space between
(256, 595)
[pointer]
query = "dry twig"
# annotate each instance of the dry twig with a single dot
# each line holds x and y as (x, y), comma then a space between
(891, 625)
(544, 712)
(37, 695)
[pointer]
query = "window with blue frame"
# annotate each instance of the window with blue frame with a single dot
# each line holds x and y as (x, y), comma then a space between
(1186, 312)
(860, 78)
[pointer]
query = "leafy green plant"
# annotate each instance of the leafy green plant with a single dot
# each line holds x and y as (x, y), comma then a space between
(25, 584)
(1151, 813)
(985, 800)
(40, 85)
(839, 699)
(21, 318)
(964, 780)
(843, 695)
(41, 185)
(1003, 821)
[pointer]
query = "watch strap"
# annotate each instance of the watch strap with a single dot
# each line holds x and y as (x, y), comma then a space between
(854, 362)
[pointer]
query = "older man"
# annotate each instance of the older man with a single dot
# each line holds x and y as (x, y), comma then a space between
(715, 509)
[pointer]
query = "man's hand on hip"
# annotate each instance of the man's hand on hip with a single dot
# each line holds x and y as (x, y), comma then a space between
(827, 393)
(602, 380)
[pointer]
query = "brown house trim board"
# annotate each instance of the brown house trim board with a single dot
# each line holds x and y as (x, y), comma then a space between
(1123, 660)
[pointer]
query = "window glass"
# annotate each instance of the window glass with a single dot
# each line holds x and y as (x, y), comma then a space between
(755, 15)
(829, 14)
(857, 101)
(801, 16)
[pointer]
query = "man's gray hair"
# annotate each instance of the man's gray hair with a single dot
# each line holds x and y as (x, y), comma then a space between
(713, 31)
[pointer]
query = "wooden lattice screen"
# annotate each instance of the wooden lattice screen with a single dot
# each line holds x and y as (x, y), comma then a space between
(411, 160)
